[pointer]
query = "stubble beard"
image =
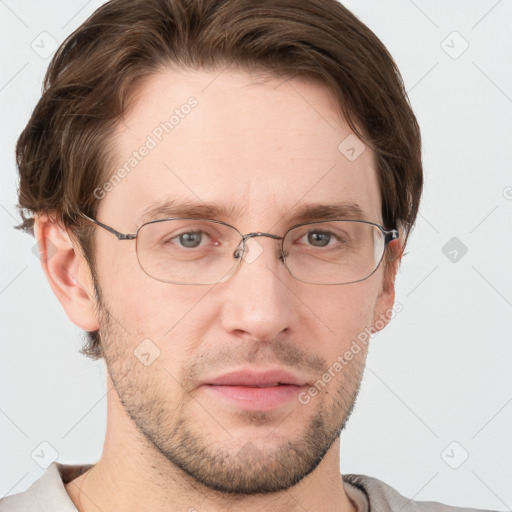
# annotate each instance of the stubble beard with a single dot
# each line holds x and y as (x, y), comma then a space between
(240, 468)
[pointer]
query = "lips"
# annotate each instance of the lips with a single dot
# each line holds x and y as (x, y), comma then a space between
(254, 390)
(258, 379)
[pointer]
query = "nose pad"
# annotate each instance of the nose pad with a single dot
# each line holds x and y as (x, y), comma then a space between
(253, 250)
(250, 250)
(239, 251)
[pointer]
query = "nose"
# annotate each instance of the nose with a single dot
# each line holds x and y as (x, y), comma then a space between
(258, 301)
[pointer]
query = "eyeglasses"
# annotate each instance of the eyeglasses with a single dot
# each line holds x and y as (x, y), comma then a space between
(201, 251)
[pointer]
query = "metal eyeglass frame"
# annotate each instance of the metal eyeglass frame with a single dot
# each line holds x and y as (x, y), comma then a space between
(389, 236)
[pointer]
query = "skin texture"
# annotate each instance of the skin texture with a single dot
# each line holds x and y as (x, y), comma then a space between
(263, 148)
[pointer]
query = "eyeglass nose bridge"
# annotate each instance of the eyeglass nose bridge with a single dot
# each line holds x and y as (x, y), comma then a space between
(241, 248)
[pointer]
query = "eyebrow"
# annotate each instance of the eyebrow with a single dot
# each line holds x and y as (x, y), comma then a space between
(216, 211)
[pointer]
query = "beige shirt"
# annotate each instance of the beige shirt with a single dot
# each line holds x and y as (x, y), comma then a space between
(48, 494)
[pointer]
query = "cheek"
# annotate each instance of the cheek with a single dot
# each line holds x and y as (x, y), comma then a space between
(346, 317)
(141, 305)
(345, 313)
(164, 313)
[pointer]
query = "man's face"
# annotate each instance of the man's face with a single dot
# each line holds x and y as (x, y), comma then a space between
(261, 150)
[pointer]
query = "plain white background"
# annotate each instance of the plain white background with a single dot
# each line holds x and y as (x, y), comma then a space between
(434, 415)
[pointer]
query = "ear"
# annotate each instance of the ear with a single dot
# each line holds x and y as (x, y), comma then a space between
(384, 304)
(67, 272)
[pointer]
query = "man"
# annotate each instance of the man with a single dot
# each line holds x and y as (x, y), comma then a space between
(222, 192)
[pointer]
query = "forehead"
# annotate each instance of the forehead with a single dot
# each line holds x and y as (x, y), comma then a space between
(260, 150)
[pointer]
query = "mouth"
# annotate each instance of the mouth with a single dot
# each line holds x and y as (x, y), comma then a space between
(256, 391)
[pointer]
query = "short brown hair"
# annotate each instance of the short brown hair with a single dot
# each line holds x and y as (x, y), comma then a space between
(63, 153)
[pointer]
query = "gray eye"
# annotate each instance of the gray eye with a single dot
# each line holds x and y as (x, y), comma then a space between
(191, 239)
(319, 238)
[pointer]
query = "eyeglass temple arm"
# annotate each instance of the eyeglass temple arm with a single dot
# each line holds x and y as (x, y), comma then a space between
(390, 235)
(120, 236)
